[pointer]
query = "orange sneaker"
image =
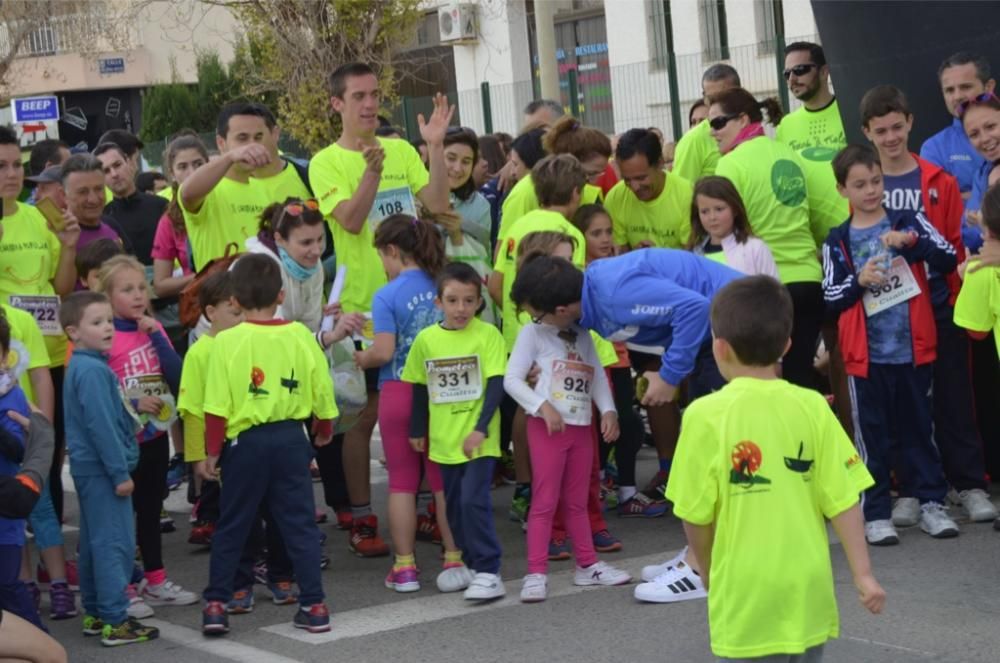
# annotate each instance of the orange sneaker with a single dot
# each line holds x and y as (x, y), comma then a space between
(365, 541)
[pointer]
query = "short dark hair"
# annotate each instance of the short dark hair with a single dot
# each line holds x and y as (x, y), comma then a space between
(853, 155)
(991, 210)
(556, 177)
(80, 163)
(338, 79)
(108, 147)
(458, 271)
(545, 283)
(882, 100)
(242, 108)
(45, 152)
(146, 182)
(389, 131)
(216, 288)
(754, 316)
(639, 141)
(95, 254)
(72, 308)
(538, 104)
(983, 71)
(9, 137)
(815, 51)
(722, 72)
(127, 141)
(256, 281)
(4, 333)
(529, 147)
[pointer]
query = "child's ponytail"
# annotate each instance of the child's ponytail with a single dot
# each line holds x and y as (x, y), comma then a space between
(416, 239)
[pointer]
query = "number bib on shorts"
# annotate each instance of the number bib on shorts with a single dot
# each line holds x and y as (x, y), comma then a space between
(899, 286)
(570, 388)
(454, 380)
(389, 202)
(153, 385)
(45, 310)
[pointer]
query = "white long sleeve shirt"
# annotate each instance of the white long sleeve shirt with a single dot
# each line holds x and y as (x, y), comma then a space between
(571, 374)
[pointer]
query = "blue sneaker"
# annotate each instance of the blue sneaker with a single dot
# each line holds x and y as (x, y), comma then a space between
(315, 618)
(559, 550)
(176, 472)
(641, 506)
(605, 541)
(283, 593)
(241, 603)
(214, 620)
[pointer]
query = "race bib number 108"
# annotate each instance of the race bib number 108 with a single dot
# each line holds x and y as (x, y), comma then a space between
(389, 202)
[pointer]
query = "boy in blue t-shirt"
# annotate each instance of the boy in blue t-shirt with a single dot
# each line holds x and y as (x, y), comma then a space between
(874, 279)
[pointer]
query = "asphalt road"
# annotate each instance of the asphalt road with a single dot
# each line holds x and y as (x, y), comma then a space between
(942, 606)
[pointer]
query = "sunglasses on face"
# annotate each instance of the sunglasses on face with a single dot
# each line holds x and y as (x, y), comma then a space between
(718, 123)
(296, 209)
(799, 70)
(981, 99)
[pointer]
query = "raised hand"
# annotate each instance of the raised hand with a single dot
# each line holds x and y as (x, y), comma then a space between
(433, 130)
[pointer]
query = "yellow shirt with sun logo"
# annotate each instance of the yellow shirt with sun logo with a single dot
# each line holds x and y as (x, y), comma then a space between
(766, 462)
(230, 213)
(266, 372)
(27, 348)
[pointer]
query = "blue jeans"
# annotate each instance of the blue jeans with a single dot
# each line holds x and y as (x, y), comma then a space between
(45, 524)
(107, 548)
(470, 512)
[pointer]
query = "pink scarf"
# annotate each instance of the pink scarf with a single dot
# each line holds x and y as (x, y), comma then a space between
(752, 130)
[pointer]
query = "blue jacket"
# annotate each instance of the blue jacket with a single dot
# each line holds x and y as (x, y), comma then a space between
(100, 432)
(655, 297)
(950, 148)
(972, 235)
(12, 531)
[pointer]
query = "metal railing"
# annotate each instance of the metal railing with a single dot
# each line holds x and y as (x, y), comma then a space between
(86, 32)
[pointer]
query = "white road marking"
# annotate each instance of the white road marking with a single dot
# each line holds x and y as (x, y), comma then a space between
(223, 648)
(877, 643)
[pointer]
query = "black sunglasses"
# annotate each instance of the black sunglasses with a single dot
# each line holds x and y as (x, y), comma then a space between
(718, 123)
(800, 70)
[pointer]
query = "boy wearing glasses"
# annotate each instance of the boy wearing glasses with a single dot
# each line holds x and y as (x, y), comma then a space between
(816, 133)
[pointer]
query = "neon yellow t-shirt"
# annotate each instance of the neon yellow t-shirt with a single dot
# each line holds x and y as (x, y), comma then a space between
(335, 174)
(191, 398)
(456, 364)
(665, 220)
(522, 199)
(817, 136)
(766, 462)
(696, 154)
(230, 213)
(770, 179)
(27, 348)
(266, 373)
(167, 193)
(538, 220)
(978, 304)
(286, 184)
(29, 258)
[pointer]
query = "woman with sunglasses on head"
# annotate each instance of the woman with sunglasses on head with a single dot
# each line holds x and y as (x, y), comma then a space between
(981, 121)
(770, 179)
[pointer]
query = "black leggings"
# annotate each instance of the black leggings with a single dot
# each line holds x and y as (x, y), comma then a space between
(330, 461)
(55, 471)
(797, 366)
(631, 435)
(150, 477)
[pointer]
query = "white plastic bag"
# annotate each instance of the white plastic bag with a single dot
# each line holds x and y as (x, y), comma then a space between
(350, 392)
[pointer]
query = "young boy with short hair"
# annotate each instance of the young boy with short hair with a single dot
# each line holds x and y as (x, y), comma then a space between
(874, 279)
(456, 368)
(89, 260)
(100, 430)
(265, 378)
(760, 466)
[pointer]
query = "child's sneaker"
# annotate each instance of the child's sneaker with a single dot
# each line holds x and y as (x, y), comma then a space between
(609, 496)
(345, 519)
(934, 520)
(641, 506)
(600, 573)
(519, 506)
(427, 529)
(92, 625)
(652, 571)
(881, 533)
(214, 619)
(403, 580)
(167, 593)
(605, 542)
(976, 503)
(906, 512)
(678, 583)
(485, 587)
(454, 578)
(315, 618)
(365, 541)
(657, 486)
(559, 550)
(137, 607)
(283, 593)
(241, 603)
(129, 632)
(176, 472)
(260, 572)
(202, 533)
(166, 523)
(535, 588)
(62, 603)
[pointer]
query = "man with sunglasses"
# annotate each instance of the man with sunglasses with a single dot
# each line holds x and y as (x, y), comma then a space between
(697, 153)
(816, 133)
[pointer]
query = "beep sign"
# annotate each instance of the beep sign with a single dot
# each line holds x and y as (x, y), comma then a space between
(35, 109)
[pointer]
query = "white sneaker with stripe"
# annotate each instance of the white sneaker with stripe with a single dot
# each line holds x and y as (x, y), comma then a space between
(678, 583)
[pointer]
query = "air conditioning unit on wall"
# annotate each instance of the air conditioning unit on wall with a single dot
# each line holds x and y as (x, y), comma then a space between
(458, 23)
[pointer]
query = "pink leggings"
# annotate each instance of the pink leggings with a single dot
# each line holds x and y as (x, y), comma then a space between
(401, 461)
(560, 468)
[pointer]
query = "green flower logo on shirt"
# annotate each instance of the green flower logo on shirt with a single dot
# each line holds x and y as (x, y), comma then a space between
(788, 183)
(746, 459)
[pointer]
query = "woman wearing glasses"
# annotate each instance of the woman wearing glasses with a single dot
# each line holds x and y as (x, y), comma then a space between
(770, 179)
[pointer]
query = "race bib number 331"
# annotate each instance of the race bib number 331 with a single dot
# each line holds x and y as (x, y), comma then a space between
(454, 380)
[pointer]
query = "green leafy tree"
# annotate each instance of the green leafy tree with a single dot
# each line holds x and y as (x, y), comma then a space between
(166, 109)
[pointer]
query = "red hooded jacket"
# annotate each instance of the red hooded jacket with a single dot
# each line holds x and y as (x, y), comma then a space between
(944, 208)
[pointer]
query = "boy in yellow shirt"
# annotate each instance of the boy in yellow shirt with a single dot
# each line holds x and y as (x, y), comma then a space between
(266, 378)
(760, 466)
(456, 368)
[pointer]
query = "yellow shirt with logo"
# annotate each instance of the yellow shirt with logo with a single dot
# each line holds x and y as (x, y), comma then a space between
(230, 213)
(286, 184)
(696, 154)
(29, 258)
(978, 305)
(817, 136)
(765, 462)
(27, 348)
(191, 398)
(538, 220)
(665, 221)
(335, 175)
(474, 354)
(522, 199)
(262, 373)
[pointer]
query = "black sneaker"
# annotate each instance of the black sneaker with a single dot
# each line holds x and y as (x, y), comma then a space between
(130, 631)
